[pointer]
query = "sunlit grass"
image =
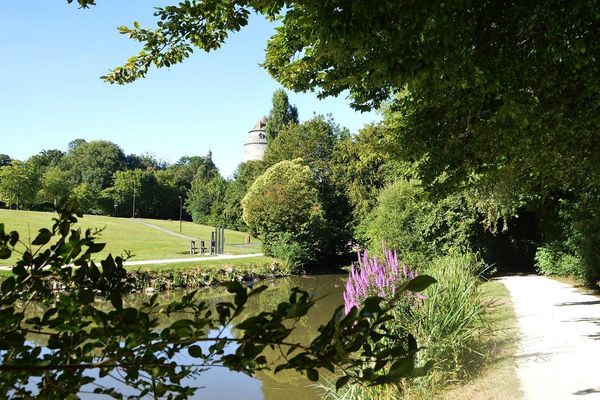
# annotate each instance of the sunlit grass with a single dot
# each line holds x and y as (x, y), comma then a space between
(125, 234)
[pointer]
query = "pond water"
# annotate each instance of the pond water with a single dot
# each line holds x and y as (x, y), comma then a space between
(220, 383)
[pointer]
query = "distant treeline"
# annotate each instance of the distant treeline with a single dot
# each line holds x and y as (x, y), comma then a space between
(104, 180)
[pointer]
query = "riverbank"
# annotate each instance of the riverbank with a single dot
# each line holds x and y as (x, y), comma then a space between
(203, 273)
(187, 275)
(497, 379)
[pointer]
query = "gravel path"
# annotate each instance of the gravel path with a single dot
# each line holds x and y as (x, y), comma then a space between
(192, 259)
(559, 353)
(175, 260)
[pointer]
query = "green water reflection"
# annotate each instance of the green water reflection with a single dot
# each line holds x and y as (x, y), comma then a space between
(225, 385)
(222, 384)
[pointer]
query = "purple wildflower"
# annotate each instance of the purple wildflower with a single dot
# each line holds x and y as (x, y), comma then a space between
(375, 276)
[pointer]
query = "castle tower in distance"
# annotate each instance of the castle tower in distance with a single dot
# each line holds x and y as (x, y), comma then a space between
(256, 144)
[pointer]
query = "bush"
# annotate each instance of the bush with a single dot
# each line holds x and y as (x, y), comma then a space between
(551, 260)
(292, 252)
(418, 228)
(448, 321)
(282, 206)
(571, 245)
(401, 219)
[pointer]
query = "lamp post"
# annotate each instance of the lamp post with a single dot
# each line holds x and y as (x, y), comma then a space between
(133, 208)
(180, 212)
(115, 205)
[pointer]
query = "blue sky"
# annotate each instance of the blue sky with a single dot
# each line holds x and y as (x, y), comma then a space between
(50, 92)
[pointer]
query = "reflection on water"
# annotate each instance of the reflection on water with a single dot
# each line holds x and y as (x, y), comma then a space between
(220, 383)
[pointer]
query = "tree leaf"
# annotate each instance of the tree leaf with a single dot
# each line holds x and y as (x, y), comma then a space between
(341, 382)
(312, 374)
(195, 351)
(42, 238)
(420, 283)
(5, 252)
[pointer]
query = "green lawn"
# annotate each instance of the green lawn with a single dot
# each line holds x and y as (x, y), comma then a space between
(122, 234)
(234, 240)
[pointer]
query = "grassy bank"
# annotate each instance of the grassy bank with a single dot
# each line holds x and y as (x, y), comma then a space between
(126, 234)
(257, 263)
(200, 273)
(497, 379)
(205, 273)
(467, 328)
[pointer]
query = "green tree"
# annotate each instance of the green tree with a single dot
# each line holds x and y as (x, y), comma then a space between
(282, 114)
(314, 142)
(363, 166)
(420, 227)
(87, 196)
(54, 185)
(188, 168)
(18, 184)
(490, 95)
(206, 199)
(94, 163)
(144, 161)
(243, 178)
(141, 183)
(47, 158)
(167, 195)
(4, 160)
(284, 208)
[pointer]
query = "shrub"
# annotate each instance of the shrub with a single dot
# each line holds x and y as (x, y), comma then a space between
(292, 252)
(571, 244)
(401, 219)
(551, 260)
(447, 320)
(420, 229)
(283, 207)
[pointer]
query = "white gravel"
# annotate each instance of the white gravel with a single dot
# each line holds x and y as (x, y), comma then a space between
(559, 353)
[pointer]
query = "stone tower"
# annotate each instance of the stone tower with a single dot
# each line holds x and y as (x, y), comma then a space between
(256, 144)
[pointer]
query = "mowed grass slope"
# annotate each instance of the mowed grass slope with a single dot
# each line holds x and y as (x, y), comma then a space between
(234, 240)
(121, 234)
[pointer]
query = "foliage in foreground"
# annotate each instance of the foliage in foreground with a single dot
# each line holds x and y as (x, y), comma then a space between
(87, 337)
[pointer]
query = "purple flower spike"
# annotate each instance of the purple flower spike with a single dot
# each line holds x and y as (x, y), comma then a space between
(376, 277)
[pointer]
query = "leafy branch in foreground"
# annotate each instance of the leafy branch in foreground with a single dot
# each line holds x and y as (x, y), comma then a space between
(93, 341)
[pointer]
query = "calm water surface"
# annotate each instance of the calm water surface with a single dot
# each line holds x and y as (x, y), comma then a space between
(222, 384)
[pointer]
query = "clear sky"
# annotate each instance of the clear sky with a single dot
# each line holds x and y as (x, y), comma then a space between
(52, 56)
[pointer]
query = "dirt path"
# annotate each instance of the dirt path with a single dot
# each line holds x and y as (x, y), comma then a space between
(559, 353)
(192, 259)
(175, 260)
(164, 230)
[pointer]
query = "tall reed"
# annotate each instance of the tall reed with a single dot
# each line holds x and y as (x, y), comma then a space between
(451, 322)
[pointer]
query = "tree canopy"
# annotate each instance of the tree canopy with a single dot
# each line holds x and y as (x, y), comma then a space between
(281, 115)
(477, 87)
(496, 102)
